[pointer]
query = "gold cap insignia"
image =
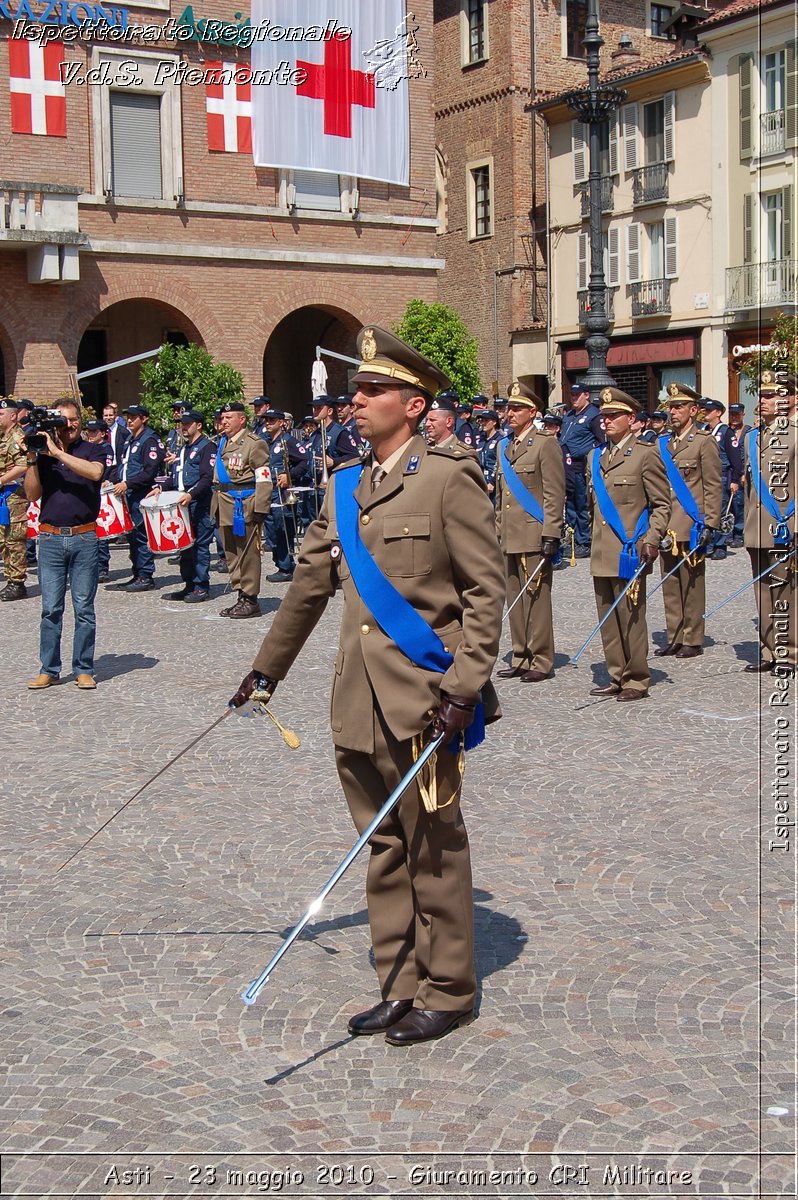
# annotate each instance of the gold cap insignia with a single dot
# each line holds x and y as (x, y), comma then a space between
(606, 396)
(767, 377)
(515, 390)
(368, 346)
(673, 389)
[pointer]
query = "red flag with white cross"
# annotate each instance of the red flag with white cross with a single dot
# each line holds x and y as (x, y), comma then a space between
(38, 99)
(228, 105)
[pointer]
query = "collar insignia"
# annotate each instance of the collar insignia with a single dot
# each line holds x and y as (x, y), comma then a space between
(412, 465)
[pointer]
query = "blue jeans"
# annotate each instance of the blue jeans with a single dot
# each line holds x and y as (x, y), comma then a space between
(278, 533)
(195, 563)
(141, 557)
(576, 509)
(72, 560)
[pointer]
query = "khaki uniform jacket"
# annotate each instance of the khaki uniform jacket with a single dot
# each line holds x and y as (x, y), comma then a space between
(246, 457)
(12, 454)
(698, 459)
(778, 466)
(452, 443)
(636, 478)
(538, 463)
(429, 527)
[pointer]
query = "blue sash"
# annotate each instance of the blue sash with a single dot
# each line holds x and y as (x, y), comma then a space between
(629, 560)
(5, 493)
(682, 492)
(781, 536)
(518, 490)
(394, 614)
(239, 496)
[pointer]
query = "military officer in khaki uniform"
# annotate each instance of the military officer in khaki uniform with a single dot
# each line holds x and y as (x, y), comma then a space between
(242, 491)
(771, 466)
(13, 503)
(634, 477)
(696, 458)
(424, 518)
(529, 529)
(439, 426)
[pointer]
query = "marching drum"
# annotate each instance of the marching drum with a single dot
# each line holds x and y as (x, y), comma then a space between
(113, 518)
(168, 523)
(33, 519)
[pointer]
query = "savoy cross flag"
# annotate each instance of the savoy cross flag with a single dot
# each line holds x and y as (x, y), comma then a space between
(330, 87)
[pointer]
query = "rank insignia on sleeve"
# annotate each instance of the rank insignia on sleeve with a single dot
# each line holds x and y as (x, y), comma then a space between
(412, 465)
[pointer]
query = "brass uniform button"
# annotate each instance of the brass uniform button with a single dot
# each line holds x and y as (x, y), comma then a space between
(364, 520)
(405, 529)
(365, 629)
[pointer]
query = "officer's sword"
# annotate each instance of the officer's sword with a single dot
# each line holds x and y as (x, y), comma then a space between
(538, 568)
(608, 613)
(255, 988)
(672, 571)
(750, 583)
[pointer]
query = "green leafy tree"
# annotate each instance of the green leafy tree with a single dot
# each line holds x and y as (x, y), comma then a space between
(783, 352)
(187, 373)
(438, 332)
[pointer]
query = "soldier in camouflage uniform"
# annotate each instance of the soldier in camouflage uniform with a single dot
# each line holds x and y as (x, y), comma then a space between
(13, 504)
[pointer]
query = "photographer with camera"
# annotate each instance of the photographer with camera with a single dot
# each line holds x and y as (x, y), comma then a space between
(64, 472)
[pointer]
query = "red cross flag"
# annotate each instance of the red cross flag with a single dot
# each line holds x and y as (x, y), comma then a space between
(38, 100)
(229, 107)
(330, 86)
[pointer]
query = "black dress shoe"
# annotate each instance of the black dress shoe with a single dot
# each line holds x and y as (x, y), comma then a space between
(690, 652)
(141, 585)
(631, 694)
(759, 667)
(197, 596)
(510, 673)
(536, 676)
(667, 651)
(424, 1025)
(609, 689)
(181, 595)
(381, 1017)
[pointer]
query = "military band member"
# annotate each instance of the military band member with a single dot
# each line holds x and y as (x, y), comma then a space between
(422, 519)
(242, 491)
(630, 503)
(770, 527)
(731, 462)
(192, 477)
(581, 432)
(530, 493)
(341, 444)
(488, 421)
(13, 502)
(142, 462)
(739, 428)
(692, 463)
(289, 467)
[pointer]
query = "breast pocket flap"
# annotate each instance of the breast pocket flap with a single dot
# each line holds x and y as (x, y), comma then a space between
(411, 525)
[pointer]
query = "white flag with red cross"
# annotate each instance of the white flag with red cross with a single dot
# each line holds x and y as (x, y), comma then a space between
(228, 105)
(38, 99)
(330, 86)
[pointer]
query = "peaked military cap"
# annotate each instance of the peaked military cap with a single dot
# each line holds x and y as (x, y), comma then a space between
(778, 383)
(7, 402)
(444, 401)
(137, 410)
(95, 426)
(233, 406)
(612, 399)
(386, 358)
(519, 393)
(681, 393)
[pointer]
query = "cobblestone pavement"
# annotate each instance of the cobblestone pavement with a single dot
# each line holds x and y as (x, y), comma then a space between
(634, 931)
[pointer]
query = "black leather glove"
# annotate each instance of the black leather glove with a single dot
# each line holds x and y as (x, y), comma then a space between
(455, 713)
(549, 547)
(253, 682)
(648, 556)
(705, 537)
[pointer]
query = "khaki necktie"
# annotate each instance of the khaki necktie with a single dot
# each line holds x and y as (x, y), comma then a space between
(377, 476)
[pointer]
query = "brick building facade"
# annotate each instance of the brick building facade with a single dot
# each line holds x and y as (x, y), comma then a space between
(99, 263)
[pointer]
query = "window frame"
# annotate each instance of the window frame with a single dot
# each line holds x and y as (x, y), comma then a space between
(650, 6)
(466, 59)
(580, 53)
(472, 167)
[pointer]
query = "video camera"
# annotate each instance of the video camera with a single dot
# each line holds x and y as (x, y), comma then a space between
(42, 421)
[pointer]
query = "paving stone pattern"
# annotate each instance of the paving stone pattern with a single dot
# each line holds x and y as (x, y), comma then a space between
(634, 938)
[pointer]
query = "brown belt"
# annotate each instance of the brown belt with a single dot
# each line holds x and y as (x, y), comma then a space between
(67, 530)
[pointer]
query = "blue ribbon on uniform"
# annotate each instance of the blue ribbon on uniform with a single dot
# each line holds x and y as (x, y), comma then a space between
(629, 560)
(682, 492)
(393, 613)
(781, 535)
(6, 492)
(239, 495)
(519, 491)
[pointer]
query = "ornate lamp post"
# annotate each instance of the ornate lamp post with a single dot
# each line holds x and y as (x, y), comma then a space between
(594, 108)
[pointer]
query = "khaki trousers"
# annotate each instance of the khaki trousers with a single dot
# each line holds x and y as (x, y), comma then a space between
(531, 626)
(418, 888)
(685, 599)
(13, 543)
(776, 605)
(625, 635)
(243, 561)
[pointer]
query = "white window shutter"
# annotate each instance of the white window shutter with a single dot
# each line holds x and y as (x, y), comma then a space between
(633, 271)
(631, 153)
(580, 151)
(614, 144)
(749, 230)
(791, 97)
(669, 106)
(613, 257)
(744, 68)
(582, 251)
(671, 248)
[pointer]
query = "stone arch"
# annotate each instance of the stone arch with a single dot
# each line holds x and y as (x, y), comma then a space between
(291, 350)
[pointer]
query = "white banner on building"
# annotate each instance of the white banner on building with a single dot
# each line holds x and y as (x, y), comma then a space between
(330, 86)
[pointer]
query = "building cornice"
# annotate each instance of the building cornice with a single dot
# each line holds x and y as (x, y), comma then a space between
(502, 93)
(302, 258)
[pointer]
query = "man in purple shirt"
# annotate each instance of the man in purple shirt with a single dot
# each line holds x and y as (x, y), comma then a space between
(65, 476)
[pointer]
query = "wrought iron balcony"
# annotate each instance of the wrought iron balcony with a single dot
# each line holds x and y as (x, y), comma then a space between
(771, 132)
(584, 304)
(607, 195)
(32, 213)
(650, 184)
(651, 298)
(762, 285)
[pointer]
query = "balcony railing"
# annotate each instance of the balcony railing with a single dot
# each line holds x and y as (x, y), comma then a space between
(650, 184)
(607, 196)
(762, 285)
(651, 298)
(39, 212)
(584, 304)
(771, 132)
